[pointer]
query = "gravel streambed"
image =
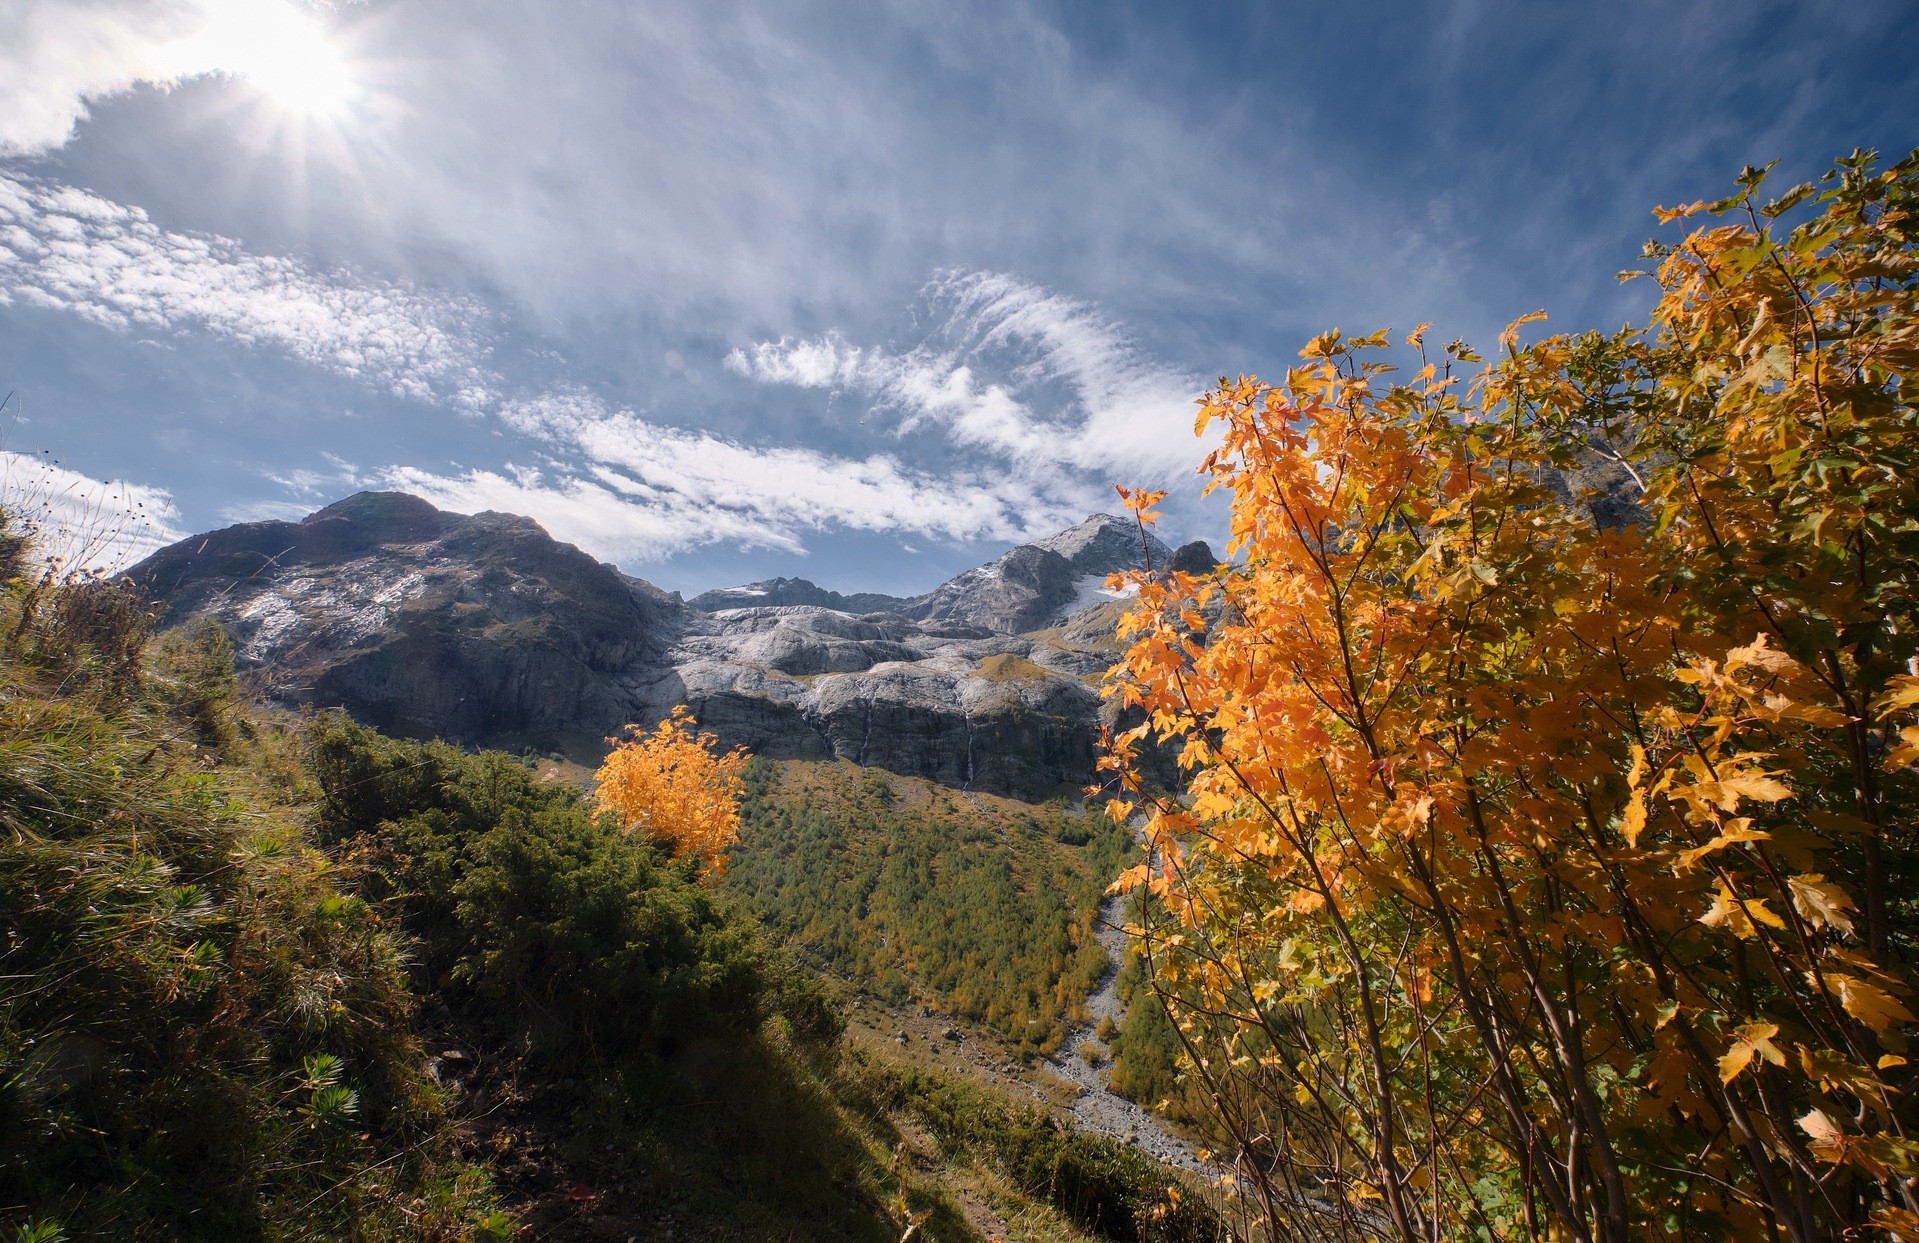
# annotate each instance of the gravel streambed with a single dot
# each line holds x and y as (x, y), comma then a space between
(1098, 1107)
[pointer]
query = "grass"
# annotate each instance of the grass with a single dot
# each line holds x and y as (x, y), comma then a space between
(980, 906)
(203, 1034)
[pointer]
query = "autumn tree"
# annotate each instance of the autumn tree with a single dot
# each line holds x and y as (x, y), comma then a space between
(1541, 863)
(675, 785)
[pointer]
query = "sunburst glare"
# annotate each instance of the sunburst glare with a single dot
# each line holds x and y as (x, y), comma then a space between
(283, 50)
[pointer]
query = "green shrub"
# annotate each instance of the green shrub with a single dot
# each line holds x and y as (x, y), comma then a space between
(543, 918)
(201, 1035)
(192, 673)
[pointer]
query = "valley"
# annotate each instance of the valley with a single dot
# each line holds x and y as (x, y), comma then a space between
(914, 841)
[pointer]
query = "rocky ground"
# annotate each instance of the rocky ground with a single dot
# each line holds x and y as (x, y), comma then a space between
(1097, 1107)
(1065, 1083)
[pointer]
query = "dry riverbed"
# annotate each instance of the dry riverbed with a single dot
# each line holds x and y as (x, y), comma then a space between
(1066, 1083)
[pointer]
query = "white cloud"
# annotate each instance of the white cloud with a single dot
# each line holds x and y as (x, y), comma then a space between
(768, 495)
(601, 519)
(616, 482)
(82, 523)
(1037, 378)
(66, 249)
(59, 56)
(266, 511)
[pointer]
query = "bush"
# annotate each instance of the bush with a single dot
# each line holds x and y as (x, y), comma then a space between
(1552, 746)
(201, 1035)
(545, 919)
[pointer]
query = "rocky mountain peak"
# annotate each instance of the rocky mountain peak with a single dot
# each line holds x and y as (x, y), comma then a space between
(782, 592)
(421, 621)
(1103, 544)
(382, 517)
(484, 629)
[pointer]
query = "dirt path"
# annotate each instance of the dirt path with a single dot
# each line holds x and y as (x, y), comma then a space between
(1098, 1107)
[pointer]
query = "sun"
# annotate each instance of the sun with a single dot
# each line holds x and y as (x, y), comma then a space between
(284, 51)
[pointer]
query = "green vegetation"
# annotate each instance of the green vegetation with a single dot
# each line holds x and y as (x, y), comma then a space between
(1006, 667)
(1099, 1183)
(202, 1035)
(545, 921)
(1146, 1048)
(278, 980)
(671, 1055)
(981, 906)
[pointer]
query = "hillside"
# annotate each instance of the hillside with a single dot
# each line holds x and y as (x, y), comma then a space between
(284, 979)
(980, 907)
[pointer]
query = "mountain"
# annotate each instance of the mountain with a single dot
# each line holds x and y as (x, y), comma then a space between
(423, 623)
(1031, 586)
(1036, 585)
(782, 591)
(484, 629)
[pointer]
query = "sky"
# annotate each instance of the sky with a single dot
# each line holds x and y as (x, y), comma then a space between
(860, 292)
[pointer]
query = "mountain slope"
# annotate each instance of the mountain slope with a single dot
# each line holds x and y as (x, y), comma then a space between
(424, 623)
(774, 592)
(1037, 585)
(484, 629)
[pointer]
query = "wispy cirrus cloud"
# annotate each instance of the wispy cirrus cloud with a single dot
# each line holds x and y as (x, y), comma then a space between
(616, 482)
(1033, 377)
(66, 249)
(784, 486)
(628, 489)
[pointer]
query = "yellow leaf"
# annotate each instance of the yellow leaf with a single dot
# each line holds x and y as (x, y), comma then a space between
(1907, 752)
(1756, 786)
(1901, 1224)
(1509, 339)
(1867, 1002)
(1828, 1141)
(1738, 915)
(1748, 1040)
(1735, 832)
(1633, 823)
(1762, 653)
(1821, 902)
(1812, 714)
(1903, 694)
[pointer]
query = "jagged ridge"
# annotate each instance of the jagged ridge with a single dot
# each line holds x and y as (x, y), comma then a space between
(484, 628)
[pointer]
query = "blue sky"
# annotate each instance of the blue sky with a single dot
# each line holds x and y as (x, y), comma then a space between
(862, 292)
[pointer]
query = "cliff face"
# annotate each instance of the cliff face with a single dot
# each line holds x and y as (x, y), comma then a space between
(485, 629)
(420, 622)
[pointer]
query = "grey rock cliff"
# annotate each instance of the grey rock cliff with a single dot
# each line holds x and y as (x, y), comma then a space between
(485, 629)
(421, 622)
(1037, 585)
